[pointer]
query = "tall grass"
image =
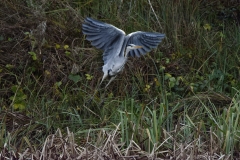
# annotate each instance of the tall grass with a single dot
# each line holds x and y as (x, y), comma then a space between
(181, 100)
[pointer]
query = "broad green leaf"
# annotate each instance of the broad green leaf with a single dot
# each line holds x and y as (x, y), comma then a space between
(20, 106)
(34, 55)
(74, 78)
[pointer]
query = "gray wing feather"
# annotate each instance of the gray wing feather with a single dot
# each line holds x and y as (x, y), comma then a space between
(104, 36)
(148, 40)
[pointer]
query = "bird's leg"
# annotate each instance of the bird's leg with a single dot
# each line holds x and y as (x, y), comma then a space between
(112, 78)
(104, 76)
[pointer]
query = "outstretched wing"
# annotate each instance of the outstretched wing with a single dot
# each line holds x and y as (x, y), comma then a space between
(104, 36)
(148, 40)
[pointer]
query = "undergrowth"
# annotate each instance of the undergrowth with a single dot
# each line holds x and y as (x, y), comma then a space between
(179, 101)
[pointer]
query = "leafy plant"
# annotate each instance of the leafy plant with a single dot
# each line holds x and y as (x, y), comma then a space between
(19, 98)
(74, 78)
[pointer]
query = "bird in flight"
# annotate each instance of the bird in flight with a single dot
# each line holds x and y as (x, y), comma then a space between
(118, 46)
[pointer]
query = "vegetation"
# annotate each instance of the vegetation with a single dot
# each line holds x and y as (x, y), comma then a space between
(181, 101)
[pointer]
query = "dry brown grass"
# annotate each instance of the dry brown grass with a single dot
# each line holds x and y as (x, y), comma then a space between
(59, 146)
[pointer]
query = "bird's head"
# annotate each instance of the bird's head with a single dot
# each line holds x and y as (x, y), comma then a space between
(131, 47)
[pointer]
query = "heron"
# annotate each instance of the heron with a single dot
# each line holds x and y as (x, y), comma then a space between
(118, 46)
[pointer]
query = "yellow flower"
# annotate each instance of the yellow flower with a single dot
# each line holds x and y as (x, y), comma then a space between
(66, 47)
(156, 82)
(89, 77)
(47, 73)
(57, 46)
(147, 88)
(207, 26)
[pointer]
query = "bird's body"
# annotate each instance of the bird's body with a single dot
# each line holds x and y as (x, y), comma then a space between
(117, 46)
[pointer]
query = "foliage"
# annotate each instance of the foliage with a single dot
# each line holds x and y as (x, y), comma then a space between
(180, 100)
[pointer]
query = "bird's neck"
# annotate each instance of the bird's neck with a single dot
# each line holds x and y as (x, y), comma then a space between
(126, 52)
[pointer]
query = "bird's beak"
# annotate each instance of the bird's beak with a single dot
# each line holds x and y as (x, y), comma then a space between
(138, 47)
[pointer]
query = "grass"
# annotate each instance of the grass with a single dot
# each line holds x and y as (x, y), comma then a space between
(180, 101)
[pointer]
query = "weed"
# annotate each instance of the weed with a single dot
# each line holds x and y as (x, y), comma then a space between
(179, 101)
